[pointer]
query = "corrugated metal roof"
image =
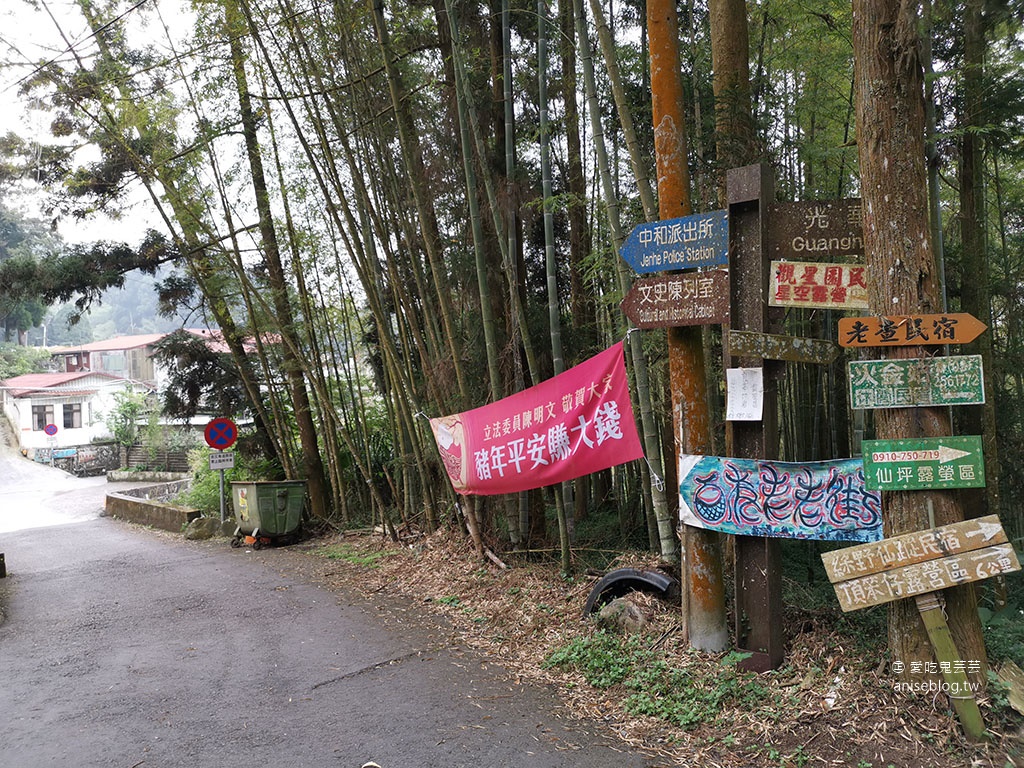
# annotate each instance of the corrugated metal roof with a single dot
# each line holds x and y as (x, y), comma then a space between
(57, 383)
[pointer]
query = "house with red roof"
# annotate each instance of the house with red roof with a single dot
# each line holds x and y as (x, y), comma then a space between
(55, 411)
(127, 357)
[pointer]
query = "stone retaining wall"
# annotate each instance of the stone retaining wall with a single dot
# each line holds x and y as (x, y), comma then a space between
(146, 506)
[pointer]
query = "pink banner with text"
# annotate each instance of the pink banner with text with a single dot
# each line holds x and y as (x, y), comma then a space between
(569, 426)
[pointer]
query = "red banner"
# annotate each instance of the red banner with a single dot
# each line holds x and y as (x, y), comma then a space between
(571, 425)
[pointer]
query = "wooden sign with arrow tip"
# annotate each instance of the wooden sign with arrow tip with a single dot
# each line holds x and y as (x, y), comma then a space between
(919, 562)
(666, 301)
(918, 565)
(770, 346)
(909, 330)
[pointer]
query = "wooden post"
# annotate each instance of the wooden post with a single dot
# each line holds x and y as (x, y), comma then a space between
(962, 696)
(758, 584)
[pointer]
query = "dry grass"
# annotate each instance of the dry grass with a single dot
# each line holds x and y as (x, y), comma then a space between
(831, 704)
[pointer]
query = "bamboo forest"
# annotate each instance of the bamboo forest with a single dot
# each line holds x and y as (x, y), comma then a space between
(401, 218)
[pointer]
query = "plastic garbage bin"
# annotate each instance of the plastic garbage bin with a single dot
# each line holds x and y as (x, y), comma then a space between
(267, 510)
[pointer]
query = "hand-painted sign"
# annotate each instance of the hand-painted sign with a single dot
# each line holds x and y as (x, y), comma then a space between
(909, 330)
(221, 433)
(770, 346)
(929, 462)
(919, 562)
(811, 284)
(571, 425)
(701, 240)
(752, 497)
(916, 381)
(666, 301)
(810, 229)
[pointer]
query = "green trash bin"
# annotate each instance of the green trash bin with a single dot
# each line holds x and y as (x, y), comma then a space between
(267, 510)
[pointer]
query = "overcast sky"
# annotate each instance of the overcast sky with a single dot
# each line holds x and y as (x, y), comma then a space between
(28, 37)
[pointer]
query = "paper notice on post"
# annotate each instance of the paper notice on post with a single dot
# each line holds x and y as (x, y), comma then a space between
(744, 394)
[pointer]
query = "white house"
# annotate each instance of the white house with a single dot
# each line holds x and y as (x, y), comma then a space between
(60, 410)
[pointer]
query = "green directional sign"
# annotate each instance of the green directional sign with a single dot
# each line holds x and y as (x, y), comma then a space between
(916, 381)
(928, 462)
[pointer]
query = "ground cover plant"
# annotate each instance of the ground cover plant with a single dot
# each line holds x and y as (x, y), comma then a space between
(832, 703)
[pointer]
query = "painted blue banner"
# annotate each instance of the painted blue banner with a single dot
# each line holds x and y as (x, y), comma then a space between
(701, 240)
(825, 500)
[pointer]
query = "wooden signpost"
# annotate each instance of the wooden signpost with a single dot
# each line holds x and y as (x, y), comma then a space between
(818, 285)
(758, 568)
(909, 330)
(916, 381)
(666, 301)
(917, 565)
(919, 562)
(771, 346)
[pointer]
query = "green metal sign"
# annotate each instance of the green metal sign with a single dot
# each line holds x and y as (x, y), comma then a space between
(917, 381)
(928, 462)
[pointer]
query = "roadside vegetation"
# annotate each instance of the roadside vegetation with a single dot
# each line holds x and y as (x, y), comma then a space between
(832, 703)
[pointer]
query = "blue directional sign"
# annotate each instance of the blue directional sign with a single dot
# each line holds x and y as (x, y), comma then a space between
(701, 240)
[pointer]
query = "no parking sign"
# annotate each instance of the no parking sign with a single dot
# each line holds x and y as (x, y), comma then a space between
(221, 433)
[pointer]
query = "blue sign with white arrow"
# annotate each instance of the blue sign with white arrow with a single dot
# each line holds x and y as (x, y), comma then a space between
(701, 240)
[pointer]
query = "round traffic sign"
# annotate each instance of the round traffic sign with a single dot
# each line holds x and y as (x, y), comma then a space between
(221, 433)
(50, 429)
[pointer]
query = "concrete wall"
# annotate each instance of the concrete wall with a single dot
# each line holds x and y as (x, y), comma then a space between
(145, 507)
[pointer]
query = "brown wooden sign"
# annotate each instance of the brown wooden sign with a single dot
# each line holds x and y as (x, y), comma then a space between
(690, 298)
(813, 230)
(770, 346)
(920, 562)
(909, 330)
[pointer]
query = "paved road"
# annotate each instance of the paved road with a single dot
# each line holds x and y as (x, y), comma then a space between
(131, 648)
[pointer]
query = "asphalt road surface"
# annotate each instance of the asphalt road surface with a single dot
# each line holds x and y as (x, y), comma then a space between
(125, 647)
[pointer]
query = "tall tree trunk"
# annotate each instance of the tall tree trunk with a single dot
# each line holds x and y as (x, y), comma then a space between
(736, 139)
(976, 288)
(902, 277)
(563, 492)
(651, 437)
(412, 156)
(312, 464)
(581, 297)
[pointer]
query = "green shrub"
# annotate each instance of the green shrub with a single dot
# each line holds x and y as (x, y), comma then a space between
(678, 696)
(204, 492)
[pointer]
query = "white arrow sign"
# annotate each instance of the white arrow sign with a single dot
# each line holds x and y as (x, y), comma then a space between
(947, 454)
(987, 531)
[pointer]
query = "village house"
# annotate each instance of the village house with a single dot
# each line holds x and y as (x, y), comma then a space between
(126, 357)
(58, 412)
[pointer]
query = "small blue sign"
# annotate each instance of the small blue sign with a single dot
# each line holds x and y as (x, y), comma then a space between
(701, 240)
